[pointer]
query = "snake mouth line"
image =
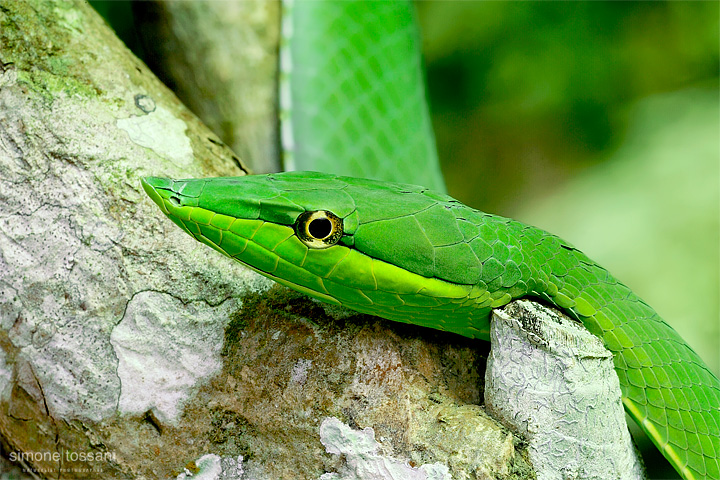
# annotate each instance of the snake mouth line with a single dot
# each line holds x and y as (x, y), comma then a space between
(313, 293)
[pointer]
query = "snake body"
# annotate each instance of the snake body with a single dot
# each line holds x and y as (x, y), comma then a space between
(409, 254)
(352, 97)
(353, 103)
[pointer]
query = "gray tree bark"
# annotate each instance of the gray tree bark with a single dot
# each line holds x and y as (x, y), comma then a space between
(221, 60)
(553, 382)
(127, 350)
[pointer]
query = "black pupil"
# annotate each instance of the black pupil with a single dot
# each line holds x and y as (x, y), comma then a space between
(320, 228)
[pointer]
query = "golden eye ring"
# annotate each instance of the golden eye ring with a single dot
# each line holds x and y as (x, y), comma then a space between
(319, 229)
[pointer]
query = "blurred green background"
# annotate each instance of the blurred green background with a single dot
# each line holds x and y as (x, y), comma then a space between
(527, 94)
(598, 121)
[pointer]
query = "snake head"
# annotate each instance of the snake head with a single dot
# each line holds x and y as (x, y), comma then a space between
(364, 244)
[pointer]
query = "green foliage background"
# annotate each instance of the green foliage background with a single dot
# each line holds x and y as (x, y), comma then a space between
(527, 94)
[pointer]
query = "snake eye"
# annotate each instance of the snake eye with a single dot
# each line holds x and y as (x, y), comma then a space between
(319, 229)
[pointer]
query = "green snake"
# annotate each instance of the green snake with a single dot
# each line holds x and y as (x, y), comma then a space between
(413, 254)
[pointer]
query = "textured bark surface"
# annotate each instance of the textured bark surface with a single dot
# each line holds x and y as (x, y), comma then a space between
(221, 60)
(554, 383)
(128, 350)
(81, 248)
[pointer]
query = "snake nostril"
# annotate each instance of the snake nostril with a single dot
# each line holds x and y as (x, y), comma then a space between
(175, 200)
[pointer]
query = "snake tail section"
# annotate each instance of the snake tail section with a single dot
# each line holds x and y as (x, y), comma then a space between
(409, 254)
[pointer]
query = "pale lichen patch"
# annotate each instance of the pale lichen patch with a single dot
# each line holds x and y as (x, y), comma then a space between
(161, 132)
